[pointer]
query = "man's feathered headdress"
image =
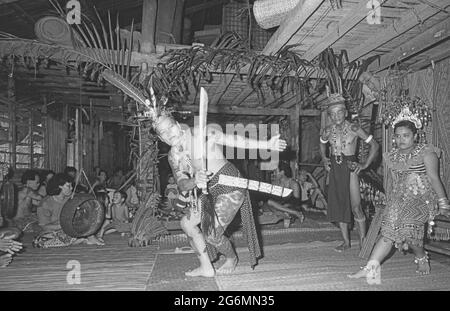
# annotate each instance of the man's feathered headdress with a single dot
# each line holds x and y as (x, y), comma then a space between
(151, 110)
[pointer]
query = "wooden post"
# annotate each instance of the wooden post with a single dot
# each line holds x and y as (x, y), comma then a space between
(30, 124)
(149, 9)
(177, 26)
(164, 24)
(45, 131)
(12, 124)
(294, 122)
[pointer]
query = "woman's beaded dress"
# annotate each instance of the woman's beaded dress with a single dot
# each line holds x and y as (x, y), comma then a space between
(410, 200)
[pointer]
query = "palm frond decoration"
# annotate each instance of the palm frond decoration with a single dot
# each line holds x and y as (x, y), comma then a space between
(229, 53)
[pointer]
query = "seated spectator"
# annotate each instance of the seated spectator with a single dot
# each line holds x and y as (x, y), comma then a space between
(119, 215)
(312, 198)
(44, 182)
(73, 174)
(117, 179)
(25, 198)
(132, 201)
(171, 193)
(8, 246)
(49, 210)
(104, 199)
(291, 204)
(101, 181)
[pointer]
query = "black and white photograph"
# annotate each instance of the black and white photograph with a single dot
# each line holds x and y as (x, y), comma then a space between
(224, 151)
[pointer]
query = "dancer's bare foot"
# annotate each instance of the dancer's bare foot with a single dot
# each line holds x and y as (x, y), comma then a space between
(201, 271)
(423, 265)
(342, 248)
(360, 274)
(229, 266)
(5, 260)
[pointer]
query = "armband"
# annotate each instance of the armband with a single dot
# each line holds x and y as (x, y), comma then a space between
(368, 140)
(323, 141)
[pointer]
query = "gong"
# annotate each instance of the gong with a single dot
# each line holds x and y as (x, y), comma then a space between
(82, 216)
(8, 199)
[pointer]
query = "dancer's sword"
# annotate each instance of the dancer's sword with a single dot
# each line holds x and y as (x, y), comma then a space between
(203, 112)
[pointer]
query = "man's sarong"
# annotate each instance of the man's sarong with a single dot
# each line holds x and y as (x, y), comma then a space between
(339, 204)
(209, 213)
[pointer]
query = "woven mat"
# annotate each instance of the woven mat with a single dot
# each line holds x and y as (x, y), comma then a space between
(168, 274)
(317, 267)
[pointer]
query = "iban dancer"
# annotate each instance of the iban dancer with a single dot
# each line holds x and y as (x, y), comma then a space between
(412, 190)
(343, 190)
(216, 210)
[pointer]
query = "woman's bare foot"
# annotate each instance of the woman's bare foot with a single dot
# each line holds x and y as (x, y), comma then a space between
(201, 271)
(5, 260)
(229, 266)
(372, 273)
(93, 240)
(423, 265)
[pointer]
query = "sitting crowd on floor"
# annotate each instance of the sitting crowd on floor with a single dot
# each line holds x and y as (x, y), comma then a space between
(41, 197)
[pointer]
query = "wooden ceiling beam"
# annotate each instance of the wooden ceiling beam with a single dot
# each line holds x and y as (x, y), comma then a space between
(204, 6)
(437, 54)
(416, 45)
(337, 31)
(409, 20)
(293, 22)
(232, 110)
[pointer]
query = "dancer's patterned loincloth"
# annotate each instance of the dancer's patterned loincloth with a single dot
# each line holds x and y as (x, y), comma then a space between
(219, 208)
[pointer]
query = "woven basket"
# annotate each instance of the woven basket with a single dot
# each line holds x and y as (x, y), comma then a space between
(51, 29)
(270, 13)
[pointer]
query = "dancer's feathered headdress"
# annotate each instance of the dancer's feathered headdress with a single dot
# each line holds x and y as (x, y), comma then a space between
(150, 107)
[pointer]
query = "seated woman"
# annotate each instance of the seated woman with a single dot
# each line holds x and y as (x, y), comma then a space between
(8, 246)
(44, 182)
(49, 210)
(291, 204)
(25, 199)
(413, 188)
(100, 181)
(117, 179)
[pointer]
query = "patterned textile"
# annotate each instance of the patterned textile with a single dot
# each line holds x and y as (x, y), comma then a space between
(410, 200)
(53, 239)
(248, 222)
(339, 205)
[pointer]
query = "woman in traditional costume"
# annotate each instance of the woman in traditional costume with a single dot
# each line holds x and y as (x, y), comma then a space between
(413, 188)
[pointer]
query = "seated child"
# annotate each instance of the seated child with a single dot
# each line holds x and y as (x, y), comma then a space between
(26, 197)
(118, 217)
(312, 198)
(171, 193)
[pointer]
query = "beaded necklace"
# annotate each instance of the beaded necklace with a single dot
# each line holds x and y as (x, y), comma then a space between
(338, 141)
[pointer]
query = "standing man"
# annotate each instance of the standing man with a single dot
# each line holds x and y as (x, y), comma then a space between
(214, 211)
(343, 191)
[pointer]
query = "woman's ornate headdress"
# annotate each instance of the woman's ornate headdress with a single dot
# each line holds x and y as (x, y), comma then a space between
(405, 108)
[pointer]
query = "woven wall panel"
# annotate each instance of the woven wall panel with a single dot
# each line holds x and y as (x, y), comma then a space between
(441, 96)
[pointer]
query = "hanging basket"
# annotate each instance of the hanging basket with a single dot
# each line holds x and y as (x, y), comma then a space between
(270, 13)
(82, 216)
(52, 29)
